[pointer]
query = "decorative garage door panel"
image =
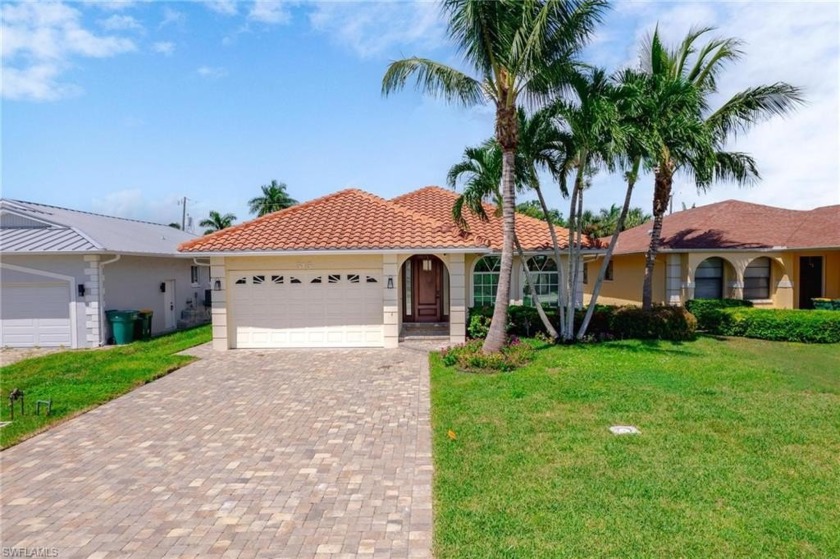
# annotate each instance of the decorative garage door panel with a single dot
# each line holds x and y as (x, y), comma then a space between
(292, 308)
(35, 315)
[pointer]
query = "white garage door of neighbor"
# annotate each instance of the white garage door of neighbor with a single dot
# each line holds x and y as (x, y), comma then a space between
(292, 308)
(35, 315)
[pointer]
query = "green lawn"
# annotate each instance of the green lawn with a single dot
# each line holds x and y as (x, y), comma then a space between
(739, 454)
(79, 380)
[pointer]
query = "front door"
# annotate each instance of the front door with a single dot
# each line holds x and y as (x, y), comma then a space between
(169, 305)
(810, 280)
(428, 285)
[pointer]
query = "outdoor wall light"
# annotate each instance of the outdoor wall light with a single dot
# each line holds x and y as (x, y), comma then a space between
(390, 282)
(217, 285)
(81, 288)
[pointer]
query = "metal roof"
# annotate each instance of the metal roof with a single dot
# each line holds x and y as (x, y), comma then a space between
(64, 230)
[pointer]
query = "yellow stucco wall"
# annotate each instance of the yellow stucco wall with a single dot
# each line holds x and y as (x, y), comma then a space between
(628, 279)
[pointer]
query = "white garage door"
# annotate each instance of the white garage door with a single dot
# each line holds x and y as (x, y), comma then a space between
(290, 308)
(35, 315)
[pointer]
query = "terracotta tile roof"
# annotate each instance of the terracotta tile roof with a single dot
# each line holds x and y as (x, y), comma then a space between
(349, 219)
(354, 219)
(739, 225)
(437, 202)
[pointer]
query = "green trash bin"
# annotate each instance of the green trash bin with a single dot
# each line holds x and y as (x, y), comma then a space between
(122, 325)
(143, 325)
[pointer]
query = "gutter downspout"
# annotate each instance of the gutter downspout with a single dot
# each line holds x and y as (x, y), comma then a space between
(102, 297)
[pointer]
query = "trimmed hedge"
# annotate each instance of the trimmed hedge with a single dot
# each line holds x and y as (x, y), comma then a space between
(661, 323)
(790, 325)
(707, 311)
(826, 304)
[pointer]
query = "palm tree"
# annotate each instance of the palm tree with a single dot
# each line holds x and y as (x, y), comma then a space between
(595, 135)
(274, 198)
(217, 222)
(702, 154)
(482, 169)
(517, 48)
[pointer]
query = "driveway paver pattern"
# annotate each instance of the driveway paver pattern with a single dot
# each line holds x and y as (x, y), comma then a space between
(277, 453)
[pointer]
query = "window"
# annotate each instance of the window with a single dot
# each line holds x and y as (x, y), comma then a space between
(544, 275)
(241, 281)
(316, 279)
(353, 278)
(194, 277)
(407, 288)
(708, 279)
(258, 280)
(757, 279)
(370, 279)
(294, 280)
(585, 273)
(277, 280)
(486, 280)
(609, 275)
(333, 278)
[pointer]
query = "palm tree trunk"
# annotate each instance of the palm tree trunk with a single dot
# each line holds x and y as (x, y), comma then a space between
(533, 291)
(561, 287)
(663, 179)
(497, 334)
(574, 227)
(602, 273)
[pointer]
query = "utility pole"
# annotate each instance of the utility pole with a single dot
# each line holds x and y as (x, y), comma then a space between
(183, 202)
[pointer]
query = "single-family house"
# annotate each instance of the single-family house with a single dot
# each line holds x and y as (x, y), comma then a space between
(61, 269)
(352, 269)
(775, 257)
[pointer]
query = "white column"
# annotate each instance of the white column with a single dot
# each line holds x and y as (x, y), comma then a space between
(673, 280)
(390, 304)
(218, 305)
(94, 313)
(457, 299)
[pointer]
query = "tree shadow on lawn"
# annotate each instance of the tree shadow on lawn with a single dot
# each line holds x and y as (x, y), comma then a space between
(643, 346)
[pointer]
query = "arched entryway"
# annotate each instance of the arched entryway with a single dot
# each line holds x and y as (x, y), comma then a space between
(425, 290)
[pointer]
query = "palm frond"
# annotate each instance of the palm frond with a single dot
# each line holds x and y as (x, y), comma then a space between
(435, 79)
(736, 167)
(751, 106)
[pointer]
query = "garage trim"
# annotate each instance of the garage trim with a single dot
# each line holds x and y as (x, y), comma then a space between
(74, 326)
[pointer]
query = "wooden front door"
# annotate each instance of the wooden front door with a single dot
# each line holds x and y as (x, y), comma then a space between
(427, 287)
(810, 280)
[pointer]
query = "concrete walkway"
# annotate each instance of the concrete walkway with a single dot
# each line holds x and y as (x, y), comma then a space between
(242, 454)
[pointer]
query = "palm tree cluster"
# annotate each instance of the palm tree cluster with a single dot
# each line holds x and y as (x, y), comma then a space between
(583, 121)
(274, 198)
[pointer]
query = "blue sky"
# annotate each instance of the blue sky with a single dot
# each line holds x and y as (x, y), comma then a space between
(122, 108)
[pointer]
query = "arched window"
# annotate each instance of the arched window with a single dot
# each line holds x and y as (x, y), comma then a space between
(486, 280)
(544, 275)
(708, 279)
(757, 279)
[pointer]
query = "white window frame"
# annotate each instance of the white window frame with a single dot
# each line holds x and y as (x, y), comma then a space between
(195, 276)
(544, 277)
(485, 276)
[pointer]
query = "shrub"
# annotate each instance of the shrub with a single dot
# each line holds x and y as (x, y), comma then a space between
(789, 325)
(468, 357)
(479, 326)
(826, 304)
(659, 323)
(708, 311)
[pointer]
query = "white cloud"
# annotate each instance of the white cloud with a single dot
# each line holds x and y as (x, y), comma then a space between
(132, 204)
(121, 23)
(166, 48)
(225, 7)
(212, 72)
(270, 11)
(40, 42)
(172, 17)
(372, 28)
(111, 5)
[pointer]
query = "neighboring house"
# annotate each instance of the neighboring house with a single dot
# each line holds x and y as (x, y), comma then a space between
(60, 269)
(351, 269)
(774, 257)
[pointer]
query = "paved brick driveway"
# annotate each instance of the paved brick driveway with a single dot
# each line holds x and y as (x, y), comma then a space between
(242, 454)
